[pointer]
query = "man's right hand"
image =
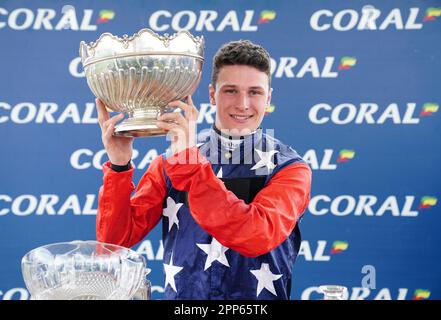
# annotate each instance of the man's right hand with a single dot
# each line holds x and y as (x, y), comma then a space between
(119, 149)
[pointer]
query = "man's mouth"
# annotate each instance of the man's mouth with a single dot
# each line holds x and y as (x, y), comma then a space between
(240, 117)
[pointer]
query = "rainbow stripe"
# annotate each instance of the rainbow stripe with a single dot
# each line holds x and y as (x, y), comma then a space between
(427, 202)
(270, 109)
(266, 16)
(346, 155)
(429, 109)
(105, 15)
(421, 294)
(339, 246)
(347, 62)
(432, 14)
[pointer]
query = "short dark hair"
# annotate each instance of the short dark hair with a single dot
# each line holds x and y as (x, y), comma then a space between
(241, 52)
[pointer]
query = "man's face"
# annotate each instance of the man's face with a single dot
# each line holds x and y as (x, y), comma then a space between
(241, 96)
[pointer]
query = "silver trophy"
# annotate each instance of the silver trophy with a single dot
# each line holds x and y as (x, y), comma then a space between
(85, 270)
(141, 74)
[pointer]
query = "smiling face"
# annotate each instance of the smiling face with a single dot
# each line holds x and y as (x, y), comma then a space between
(241, 95)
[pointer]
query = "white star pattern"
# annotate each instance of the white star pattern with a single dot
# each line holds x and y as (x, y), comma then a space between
(214, 251)
(265, 159)
(171, 212)
(265, 279)
(220, 173)
(170, 272)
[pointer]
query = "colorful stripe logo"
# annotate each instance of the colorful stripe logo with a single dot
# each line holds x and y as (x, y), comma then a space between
(429, 109)
(266, 16)
(421, 294)
(427, 202)
(105, 16)
(339, 246)
(270, 109)
(345, 155)
(432, 14)
(347, 63)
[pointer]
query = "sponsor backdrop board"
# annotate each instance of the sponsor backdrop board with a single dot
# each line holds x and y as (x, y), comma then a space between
(356, 93)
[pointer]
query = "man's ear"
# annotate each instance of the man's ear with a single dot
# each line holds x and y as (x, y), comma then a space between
(211, 93)
(270, 92)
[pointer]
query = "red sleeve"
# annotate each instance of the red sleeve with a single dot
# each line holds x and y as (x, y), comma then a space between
(251, 229)
(123, 220)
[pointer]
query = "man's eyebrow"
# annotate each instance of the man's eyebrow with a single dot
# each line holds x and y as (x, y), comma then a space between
(235, 86)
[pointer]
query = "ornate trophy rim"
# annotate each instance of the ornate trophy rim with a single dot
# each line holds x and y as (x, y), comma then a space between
(87, 51)
(78, 243)
(141, 74)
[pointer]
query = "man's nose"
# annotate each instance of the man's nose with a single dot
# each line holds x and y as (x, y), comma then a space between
(243, 102)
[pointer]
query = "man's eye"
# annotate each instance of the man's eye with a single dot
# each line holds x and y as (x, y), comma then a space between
(230, 91)
(253, 92)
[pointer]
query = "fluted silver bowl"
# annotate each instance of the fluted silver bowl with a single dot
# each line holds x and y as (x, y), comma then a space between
(85, 270)
(141, 74)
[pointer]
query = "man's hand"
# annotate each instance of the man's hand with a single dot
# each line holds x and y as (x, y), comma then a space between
(119, 149)
(181, 128)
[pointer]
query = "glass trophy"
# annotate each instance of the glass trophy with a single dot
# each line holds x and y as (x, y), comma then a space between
(85, 270)
(333, 292)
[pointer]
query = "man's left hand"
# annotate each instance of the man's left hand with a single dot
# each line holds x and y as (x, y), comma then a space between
(181, 129)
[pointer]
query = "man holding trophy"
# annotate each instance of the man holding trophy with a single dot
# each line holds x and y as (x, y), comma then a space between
(230, 199)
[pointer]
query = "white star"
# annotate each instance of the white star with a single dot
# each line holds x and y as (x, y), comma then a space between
(265, 279)
(171, 212)
(220, 173)
(214, 251)
(170, 272)
(265, 159)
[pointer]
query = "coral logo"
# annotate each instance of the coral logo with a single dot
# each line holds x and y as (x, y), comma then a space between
(432, 14)
(369, 18)
(347, 63)
(266, 16)
(204, 20)
(427, 202)
(367, 112)
(270, 109)
(105, 16)
(363, 205)
(346, 155)
(429, 109)
(339, 246)
(421, 294)
(47, 19)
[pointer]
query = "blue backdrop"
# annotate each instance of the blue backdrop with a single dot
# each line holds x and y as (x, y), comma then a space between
(356, 93)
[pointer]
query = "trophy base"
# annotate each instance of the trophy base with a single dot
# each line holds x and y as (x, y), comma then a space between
(139, 127)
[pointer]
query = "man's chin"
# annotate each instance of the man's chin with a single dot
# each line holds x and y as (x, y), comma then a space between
(238, 130)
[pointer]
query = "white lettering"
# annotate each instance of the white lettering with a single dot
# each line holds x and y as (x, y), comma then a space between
(22, 293)
(349, 19)
(206, 19)
(176, 21)
(337, 22)
(74, 68)
(44, 17)
(363, 204)
(46, 204)
(314, 21)
(369, 113)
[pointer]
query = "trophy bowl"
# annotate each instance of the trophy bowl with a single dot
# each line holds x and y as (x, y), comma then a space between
(85, 270)
(141, 74)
